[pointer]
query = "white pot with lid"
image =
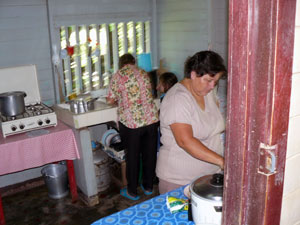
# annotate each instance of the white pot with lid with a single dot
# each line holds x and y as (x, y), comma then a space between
(206, 198)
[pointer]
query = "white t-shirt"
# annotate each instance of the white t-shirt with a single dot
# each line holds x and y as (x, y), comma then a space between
(174, 164)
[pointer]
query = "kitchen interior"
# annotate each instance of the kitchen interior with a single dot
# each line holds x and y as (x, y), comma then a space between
(47, 38)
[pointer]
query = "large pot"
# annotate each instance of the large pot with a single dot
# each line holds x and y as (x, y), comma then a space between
(206, 198)
(12, 103)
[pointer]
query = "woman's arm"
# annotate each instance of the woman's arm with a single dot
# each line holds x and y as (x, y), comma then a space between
(183, 134)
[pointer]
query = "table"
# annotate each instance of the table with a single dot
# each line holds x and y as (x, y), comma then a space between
(153, 211)
(34, 149)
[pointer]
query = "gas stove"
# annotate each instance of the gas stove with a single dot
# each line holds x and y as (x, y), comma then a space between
(36, 116)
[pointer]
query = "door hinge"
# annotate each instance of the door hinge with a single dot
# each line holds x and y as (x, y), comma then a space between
(267, 159)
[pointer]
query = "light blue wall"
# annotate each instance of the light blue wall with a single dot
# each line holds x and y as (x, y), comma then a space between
(24, 40)
(26, 34)
(186, 27)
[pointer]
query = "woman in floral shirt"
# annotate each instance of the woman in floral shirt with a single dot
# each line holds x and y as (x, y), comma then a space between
(130, 88)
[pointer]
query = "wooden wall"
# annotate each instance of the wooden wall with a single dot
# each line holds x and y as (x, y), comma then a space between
(186, 27)
(25, 30)
(24, 40)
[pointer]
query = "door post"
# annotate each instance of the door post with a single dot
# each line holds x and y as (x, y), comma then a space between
(261, 37)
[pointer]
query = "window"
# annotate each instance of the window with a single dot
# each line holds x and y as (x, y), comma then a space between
(90, 53)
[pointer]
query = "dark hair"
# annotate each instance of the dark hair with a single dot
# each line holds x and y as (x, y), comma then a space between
(204, 62)
(153, 78)
(168, 79)
(126, 59)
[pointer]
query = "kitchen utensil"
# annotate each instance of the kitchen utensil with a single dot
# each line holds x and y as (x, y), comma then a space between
(206, 198)
(82, 105)
(12, 103)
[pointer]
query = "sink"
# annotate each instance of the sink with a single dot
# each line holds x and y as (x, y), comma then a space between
(102, 113)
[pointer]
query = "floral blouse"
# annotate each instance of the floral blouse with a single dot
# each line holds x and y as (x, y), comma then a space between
(131, 88)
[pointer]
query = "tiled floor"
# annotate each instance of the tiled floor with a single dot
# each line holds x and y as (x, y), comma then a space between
(34, 207)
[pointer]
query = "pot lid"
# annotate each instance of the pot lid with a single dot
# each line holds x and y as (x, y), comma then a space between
(209, 187)
(17, 93)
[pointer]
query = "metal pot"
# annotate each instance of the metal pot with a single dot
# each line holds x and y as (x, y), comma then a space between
(12, 103)
(82, 105)
(206, 199)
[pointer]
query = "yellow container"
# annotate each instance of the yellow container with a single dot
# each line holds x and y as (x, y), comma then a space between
(72, 96)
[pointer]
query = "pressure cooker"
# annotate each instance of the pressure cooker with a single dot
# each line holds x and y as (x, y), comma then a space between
(12, 103)
(206, 199)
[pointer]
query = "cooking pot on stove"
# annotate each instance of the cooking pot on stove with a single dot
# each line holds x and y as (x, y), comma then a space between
(206, 199)
(12, 103)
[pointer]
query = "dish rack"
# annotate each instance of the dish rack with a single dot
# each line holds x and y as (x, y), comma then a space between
(118, 155)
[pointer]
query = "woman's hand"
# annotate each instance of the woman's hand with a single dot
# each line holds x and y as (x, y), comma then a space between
(110, 101)
(184, 137)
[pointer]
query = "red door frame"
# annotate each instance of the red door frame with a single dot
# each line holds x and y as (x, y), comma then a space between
(261, 37)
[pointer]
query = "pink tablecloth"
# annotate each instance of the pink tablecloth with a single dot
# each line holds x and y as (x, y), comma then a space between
(24, 151)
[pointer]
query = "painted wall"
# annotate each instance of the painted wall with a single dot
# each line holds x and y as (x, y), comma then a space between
(291, 193)
(186, 27)
(25, 30)
(24, 40)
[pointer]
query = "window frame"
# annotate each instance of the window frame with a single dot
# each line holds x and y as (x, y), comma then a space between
(147, 48)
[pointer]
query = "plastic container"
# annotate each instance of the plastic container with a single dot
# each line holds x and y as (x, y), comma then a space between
(56, 180)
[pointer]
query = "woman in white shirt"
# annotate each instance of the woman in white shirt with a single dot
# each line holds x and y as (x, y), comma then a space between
(191, 124)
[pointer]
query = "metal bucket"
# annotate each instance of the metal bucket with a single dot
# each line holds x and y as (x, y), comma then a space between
(56, 180)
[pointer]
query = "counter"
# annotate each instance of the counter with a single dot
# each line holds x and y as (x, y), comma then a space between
(84, 167)
(101, 114)
(153, 211)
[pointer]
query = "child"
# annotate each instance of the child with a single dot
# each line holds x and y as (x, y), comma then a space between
(166, 81)
(153, 78)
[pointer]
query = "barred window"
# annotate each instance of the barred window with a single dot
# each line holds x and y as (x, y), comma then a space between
(90, 53)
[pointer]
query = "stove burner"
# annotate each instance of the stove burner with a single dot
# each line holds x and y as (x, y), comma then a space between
(36, 116)
(30, 111)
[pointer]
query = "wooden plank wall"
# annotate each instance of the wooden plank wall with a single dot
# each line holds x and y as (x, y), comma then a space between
(24, 40)
(185, 27)
(25, 32)
(70, 12)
